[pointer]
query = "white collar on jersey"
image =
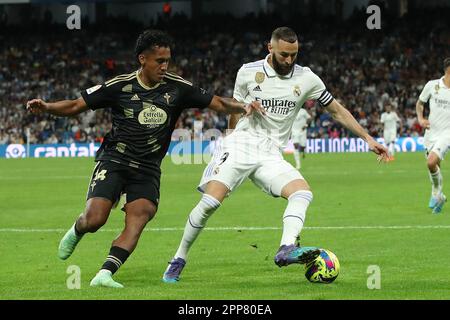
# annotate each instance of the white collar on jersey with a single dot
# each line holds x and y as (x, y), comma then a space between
(270, 72)
(442, 84)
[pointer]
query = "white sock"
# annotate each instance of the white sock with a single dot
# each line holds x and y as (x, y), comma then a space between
(294, 216)
(195, 223)
(436, 182)
(392, 148)
(297, 158)
(105, 271)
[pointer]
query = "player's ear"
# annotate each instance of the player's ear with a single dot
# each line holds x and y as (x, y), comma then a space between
(141, 59)
(270, 47)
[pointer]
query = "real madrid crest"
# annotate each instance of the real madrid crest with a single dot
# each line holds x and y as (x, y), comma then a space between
(436, 88)
(297, 91)
(259, 77)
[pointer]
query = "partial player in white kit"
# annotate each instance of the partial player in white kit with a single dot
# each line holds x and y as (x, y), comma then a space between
(437, 133)
(254, 149)
(390, 119)
(300, 134)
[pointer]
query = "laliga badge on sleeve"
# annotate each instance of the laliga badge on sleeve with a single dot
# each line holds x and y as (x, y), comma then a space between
(93, 89)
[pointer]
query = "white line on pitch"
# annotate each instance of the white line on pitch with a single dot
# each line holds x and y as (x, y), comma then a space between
(243, 228)
(313, 173)
(43, 177)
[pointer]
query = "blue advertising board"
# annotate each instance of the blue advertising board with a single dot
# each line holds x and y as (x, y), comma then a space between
(404, 144)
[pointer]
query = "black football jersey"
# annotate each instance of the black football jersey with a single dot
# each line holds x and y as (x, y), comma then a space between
(143, 118)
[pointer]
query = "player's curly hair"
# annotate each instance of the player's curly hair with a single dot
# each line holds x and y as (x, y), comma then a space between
(446, 63)
(149, 39)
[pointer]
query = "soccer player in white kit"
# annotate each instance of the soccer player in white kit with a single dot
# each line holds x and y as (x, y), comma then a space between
(254, 149)
(389, 119)
(299, 135)
(437, 133)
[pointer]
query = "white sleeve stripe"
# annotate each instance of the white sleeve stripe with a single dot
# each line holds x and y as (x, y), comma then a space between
(325, 103)
(324, 95)
(325, 98)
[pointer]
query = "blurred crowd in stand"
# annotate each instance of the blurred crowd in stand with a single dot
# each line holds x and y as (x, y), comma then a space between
(364, 69)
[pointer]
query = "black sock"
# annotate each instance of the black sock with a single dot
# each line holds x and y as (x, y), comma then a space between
(117, 256)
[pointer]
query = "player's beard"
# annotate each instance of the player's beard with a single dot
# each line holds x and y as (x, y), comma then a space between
(281, 69)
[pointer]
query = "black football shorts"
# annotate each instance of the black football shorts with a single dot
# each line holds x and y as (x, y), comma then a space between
(110, 180)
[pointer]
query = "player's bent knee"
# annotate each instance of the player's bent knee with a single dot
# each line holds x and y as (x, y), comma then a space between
(295, 186)
(148, 213)
(433, 162)
(431, 166)
(95, 219)
(217, 190)
(141, 209)
(96, 214)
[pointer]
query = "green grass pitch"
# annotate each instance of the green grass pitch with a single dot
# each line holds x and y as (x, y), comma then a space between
(365, 212)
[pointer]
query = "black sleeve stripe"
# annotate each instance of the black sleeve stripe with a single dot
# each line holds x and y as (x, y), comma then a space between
(325, 98)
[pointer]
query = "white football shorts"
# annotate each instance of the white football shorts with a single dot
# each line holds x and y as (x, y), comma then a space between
(242, 156)
(299, 137)
(389, 136)
(438, 144)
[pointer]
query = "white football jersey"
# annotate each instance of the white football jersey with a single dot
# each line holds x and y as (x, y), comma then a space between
(390, 119)
(281, 96)
(438, 94)
(300, 122)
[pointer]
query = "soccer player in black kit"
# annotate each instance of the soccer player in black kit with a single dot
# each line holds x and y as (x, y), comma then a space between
(145, 107)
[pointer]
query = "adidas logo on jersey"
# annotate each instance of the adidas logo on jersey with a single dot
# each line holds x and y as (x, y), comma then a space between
(257, 88)
(135, 98)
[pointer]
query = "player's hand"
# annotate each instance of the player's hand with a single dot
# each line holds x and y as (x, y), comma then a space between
(380, 150)
(37, 106)
(254, 106)
(424, 123)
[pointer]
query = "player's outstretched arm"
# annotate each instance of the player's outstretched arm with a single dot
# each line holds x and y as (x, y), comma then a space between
(63, 108)
(230, 106)
(345, 118)
(424, 123)
(233, 119)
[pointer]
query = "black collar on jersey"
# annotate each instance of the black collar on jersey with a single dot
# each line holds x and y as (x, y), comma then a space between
(143, 85)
